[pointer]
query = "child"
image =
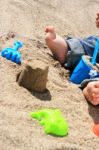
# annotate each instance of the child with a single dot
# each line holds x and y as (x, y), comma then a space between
(69, 51)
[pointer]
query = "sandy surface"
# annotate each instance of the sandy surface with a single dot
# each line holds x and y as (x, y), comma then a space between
(27, 19)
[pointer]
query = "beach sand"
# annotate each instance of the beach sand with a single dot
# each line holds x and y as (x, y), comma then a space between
(25, 21)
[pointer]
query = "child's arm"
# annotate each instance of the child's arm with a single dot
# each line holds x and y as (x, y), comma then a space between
(91, 92)
(97, 20)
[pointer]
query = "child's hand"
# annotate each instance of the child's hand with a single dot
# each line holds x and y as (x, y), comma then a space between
(97, 20)
(91, 92)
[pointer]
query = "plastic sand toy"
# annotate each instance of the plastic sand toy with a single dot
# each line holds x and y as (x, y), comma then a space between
(12, 53)
(52, 120)
(96, 129)
(82, 70)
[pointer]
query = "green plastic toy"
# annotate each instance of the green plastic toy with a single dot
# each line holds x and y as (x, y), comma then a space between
(52, 120)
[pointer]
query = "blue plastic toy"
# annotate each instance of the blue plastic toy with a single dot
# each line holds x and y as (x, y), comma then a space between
(12, 53)
(83, 70)
(93, 61)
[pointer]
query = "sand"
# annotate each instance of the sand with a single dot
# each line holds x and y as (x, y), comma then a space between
(25, 20)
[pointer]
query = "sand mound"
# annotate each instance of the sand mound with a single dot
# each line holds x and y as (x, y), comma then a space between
(25, 21)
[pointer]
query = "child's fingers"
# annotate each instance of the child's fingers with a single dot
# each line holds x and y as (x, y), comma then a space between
(97, 84)
(95, 101)
(95, 91)
(95, 95)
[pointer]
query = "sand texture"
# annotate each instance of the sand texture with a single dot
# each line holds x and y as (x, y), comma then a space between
(25, 20)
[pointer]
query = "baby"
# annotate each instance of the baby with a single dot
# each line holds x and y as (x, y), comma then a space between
(69, 51)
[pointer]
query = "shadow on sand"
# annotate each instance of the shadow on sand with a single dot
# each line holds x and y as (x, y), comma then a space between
(94, 112)
(45, 96)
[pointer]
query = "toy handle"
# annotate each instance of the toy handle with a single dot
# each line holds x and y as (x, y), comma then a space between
(93, 61)
(17, 45)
